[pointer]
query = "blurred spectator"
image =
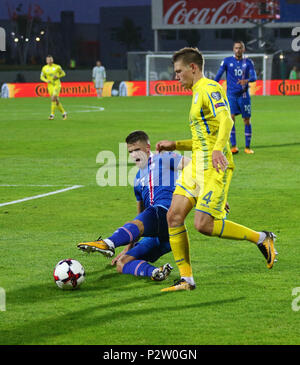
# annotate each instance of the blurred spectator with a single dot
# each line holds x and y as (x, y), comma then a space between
(293, 73)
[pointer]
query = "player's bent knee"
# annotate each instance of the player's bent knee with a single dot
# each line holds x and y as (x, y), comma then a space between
(174, 218)
(204, 224)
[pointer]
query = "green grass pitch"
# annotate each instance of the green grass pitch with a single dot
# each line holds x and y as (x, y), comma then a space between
(238, 301)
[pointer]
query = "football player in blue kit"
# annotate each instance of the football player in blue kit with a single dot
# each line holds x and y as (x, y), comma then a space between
(239, 72)
(153, 187)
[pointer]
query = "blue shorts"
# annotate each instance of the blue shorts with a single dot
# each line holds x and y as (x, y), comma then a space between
(155, 241)
(149, 249)
(240, 105)
(155, 223)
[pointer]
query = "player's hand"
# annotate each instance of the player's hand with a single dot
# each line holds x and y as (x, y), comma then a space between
(122, 253)
(115, 259)
(165, 146)
(227, 207)
(219, 161)
(242, 82)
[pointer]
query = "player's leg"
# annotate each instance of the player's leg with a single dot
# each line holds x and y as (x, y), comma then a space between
(248, 135)
(59, 104)
(101, 84)
(136, 260)
(129, 232)
(234, 148)
(235, 110)
(53, 103)
(180, 207)
(210, 216)
(245, 107)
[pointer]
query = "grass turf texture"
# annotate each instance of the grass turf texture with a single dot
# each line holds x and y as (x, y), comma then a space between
(237, 300)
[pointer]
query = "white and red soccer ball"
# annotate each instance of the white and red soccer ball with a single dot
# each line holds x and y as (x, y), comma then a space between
(68, 274)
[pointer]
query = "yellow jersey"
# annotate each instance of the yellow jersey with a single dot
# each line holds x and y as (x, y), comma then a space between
(209, 100)
(48, 73)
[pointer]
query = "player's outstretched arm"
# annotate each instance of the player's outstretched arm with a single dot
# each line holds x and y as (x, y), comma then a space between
(165, 145)
(218, 158)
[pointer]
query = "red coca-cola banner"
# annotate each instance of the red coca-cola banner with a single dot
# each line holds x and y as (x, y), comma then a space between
(210, 12)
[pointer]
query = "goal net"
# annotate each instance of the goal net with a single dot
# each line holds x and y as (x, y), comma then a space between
(159, 68)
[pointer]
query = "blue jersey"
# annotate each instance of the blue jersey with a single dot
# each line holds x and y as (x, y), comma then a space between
(154, 184)
(237, 70)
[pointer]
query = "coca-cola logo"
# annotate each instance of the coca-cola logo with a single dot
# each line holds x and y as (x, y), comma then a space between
(208, 12)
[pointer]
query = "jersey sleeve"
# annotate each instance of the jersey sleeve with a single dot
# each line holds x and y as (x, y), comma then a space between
(221, 71)
(252, 73)
(216, 100)
(225, 127)
(43, 76)
(60, 72)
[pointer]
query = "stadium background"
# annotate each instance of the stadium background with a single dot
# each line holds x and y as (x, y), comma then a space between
(78, 34)
(237, 301)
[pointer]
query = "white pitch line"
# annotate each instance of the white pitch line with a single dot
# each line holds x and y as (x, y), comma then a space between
(32, 185)
(41, 195)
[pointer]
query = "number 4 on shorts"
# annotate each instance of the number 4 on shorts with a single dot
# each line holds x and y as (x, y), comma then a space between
(207, 197)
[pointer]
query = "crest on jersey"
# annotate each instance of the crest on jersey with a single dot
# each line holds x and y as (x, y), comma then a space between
(216, 95)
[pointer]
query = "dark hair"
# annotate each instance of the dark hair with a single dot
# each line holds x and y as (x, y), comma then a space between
(189, 55)
(49, 55)
(137, 136)
(240, 42)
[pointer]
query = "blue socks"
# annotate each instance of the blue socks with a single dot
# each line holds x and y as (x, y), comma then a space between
(233, 136)
(248, 135)
(124, 235)
(138, 268)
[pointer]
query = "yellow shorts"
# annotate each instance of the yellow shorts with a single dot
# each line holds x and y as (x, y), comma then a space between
(54, 90)
(206, 189)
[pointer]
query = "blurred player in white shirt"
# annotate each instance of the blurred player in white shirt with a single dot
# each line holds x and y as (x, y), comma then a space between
(99, 77)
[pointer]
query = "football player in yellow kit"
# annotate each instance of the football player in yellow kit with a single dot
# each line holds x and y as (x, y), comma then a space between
(205, 181)
(51, 74)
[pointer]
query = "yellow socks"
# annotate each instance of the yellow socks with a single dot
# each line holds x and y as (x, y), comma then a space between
(180, 246)
(60, 108)
(53, 107)
(228, 229)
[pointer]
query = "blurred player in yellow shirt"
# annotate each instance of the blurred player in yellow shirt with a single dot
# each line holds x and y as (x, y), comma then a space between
(51, 74)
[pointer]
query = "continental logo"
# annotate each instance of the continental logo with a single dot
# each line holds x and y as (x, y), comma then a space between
(166, 88)
(41, 90)
(289, 88)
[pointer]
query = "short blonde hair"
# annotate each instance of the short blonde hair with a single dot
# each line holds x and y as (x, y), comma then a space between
(189, 55)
